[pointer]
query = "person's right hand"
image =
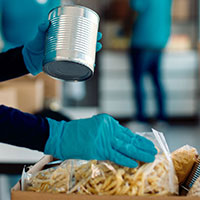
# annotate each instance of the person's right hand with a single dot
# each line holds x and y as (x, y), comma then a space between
(101, 138)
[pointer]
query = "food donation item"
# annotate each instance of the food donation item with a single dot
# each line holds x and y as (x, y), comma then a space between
(54, 180)
(106, 178)
(183, 160)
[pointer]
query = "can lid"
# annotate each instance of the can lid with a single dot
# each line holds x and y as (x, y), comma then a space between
(68, 70)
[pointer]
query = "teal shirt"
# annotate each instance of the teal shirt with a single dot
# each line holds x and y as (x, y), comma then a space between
(20, 19)
(153, 24)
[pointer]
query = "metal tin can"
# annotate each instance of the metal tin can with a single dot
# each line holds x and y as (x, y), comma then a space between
(70, 45)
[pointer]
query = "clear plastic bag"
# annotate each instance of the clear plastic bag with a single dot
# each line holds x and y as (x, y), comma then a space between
(183, 159)
(52, 180)
(159, 141)
(106, 178)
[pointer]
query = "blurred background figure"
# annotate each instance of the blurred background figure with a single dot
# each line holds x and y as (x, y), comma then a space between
(20, 20)
(150, 34)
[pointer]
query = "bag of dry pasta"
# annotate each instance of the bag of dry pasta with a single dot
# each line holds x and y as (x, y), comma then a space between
(53, 180)
(163, 154)
(106, 178)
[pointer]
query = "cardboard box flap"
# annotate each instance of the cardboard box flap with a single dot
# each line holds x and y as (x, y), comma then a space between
(47, 196)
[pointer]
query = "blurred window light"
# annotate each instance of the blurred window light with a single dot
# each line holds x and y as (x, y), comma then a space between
(42, 1)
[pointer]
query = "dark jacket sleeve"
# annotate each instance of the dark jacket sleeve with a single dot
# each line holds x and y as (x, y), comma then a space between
(23, 129)
(18, 128)
(12, 64)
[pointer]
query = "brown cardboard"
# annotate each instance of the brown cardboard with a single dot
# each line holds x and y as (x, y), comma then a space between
(16, 194)
(25, 95)
(181, 10)
(8, 96)
(52, 86)
(45, 196)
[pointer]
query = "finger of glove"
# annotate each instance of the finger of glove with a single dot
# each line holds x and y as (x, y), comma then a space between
(132, 151)
(99, 36)
(121, 159)
(140, 141)
(120, 133)
(144, 144)
(44, 26)
(98, 46)
(37, 44)
(42, 31)
(128, 136)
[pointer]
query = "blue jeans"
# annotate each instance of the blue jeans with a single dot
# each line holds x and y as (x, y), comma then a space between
(147, 61)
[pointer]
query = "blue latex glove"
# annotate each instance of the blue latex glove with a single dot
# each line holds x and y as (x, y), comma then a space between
(33, 51)
(100, 137)
(99, 45)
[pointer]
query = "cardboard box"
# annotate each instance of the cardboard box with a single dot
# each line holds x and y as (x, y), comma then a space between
(181, 10)
(25, 95)
(52, 86)
(8, 96)
(16, 194)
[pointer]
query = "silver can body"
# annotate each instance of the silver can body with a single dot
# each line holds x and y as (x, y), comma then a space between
(70, 46)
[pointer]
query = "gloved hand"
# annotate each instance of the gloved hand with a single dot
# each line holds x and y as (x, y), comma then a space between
(100, 137)
(33, 51)
(99, 45)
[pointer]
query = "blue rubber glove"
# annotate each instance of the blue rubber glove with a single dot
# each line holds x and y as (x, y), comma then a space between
(99, 45)
(33, 51)
(100, 137)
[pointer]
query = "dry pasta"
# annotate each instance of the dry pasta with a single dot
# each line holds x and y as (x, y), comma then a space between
(152, 178)
(105, 178)
(51, 180)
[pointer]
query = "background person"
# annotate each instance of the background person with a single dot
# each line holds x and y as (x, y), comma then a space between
(20, 19)
(151, 31)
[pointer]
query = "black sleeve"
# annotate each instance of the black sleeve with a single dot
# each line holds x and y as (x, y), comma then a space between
(18, 128)
(12, 64)
(23, 129)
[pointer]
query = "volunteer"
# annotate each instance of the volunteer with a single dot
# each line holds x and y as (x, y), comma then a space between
(100, 137)
(150, 35)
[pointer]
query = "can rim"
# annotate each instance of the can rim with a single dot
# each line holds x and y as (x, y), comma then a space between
(57, 75)
(78, 6)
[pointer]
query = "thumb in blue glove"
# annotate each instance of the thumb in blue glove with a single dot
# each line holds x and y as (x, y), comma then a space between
(33, 51)
(100, 137)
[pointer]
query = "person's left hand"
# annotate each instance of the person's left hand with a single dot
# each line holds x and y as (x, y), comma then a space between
(33, 51)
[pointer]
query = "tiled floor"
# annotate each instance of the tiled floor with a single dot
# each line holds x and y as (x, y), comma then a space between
(176, 136)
